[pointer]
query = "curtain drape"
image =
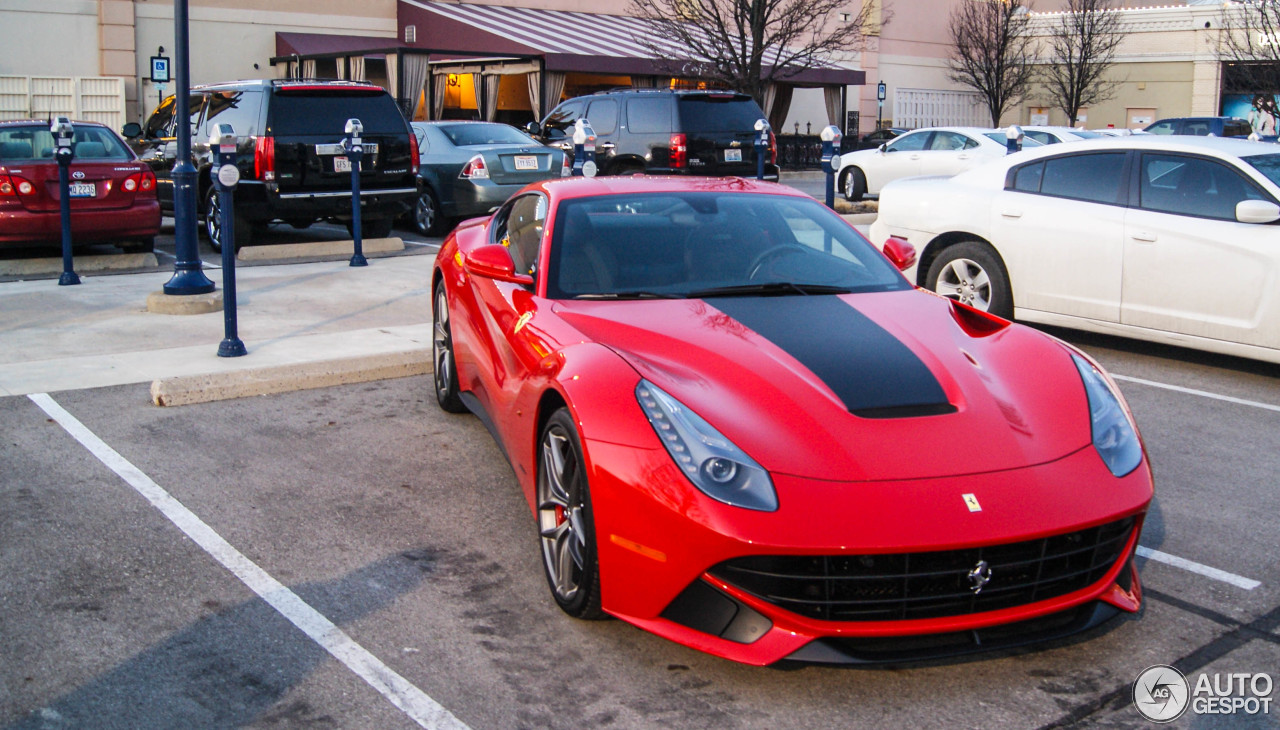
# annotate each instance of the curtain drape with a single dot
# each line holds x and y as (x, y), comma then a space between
(491, 83)
(309, 68)
(342, 67)
(778, 98)
(533, 80)
(644, 82)
(392, 71)
(555, 87)
(438, 82)
(356, 67)
(415, 77)
(831, 95)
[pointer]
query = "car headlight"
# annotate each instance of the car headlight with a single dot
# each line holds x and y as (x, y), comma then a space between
(1113, 434)
(712, 462)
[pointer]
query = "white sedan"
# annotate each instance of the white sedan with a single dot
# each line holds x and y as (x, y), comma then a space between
(1169, 239)
(932, 151)
(1057, 135)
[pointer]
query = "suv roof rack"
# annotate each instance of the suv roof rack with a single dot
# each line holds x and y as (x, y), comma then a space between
(328, 82)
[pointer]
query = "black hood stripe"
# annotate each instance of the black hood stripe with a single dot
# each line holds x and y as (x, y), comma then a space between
(873, 373)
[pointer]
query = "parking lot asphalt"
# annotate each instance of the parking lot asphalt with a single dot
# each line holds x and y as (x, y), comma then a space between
(352, 557)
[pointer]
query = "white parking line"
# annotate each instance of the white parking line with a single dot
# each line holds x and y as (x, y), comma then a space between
(1201, 393)
(412, 701)
(1238, 581)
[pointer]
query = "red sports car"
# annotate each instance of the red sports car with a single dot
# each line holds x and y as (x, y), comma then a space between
(113, 195)
(739, 427)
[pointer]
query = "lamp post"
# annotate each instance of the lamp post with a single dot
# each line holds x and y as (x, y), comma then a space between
(188, 273)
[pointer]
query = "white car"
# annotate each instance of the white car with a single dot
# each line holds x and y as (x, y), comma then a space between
(1058, 135)
(932, 151)
(1169, 239)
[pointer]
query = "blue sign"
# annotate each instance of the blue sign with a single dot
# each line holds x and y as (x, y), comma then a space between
(159, 69)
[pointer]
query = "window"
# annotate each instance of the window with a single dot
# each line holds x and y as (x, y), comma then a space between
(649, 116)
(1193, 186)
(520, 230)
(560, 121)
(1268, 165)
(1236, 128)
(161, 122)
(909, 142)
(1165, 127)
(237, 108)
(1094, 177)
(949, 141)
(1027, 178)
(602, 114)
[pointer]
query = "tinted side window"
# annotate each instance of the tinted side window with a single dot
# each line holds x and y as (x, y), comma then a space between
(522, 234)
(327, 114)
(1166, 127)
(1233, 128)
(649, 116)
(1093, 177)
(909, 142)
(562, 118)
(947, 141)
(1027, 178)
(718, 114)
(603, 115)
(237, 108)
(161, 122)
(1192, 186)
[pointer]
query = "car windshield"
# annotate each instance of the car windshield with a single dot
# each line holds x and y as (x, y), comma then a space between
(704, 244)
(35, 142)
(477, 133)
(1085, 134)
(1001, 139)
(1268, 165)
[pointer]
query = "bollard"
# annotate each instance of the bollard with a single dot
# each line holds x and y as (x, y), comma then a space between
(225, 176)
(1013, 139)
(584, 149)
(355, 152)
(762, 146)
(63, 135)
(830, 160)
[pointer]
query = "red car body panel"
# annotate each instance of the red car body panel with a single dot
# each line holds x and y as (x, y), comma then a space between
(1019, 440)
(113, 213)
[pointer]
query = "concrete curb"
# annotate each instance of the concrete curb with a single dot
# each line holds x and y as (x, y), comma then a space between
(190, 389)
(276, 251)
(160, 303)
(81, 264)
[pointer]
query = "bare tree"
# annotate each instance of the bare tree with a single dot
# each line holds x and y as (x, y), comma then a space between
(1251, 48)
(746, 44)
(992, 52)
(1083, 45)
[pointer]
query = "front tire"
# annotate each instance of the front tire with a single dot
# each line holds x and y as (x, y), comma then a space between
(445, 369)
(972, 273)
(566, 528)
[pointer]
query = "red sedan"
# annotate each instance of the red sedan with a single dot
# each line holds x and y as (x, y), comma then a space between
(113, 195)
(739, 427)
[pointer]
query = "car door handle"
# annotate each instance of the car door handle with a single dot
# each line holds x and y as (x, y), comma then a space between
(963, 157)
(1143, 236)
(1011, 214)
(566, 146)
(915, 157)
(606, 146)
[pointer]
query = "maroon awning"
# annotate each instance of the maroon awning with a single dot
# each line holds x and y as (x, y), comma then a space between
(316, 44)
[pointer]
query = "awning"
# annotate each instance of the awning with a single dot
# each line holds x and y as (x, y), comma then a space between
(318, 44)
(567, 41)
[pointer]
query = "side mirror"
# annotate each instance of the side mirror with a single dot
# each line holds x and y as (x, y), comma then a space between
(532, 129)
(1257, 211)
(900, 253)
(132, 130)
(883, 147)
(493, 261)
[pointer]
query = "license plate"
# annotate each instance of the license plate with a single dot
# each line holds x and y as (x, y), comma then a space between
(733, 155)
(84, 190)
(526, 162)
(341, 164)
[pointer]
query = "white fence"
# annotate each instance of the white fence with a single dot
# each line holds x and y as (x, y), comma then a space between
(914, 108)
(88, 98)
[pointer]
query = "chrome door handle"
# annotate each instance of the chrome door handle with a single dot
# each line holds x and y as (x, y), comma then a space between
(1010, 214)
(606, 146)
(1143, 236)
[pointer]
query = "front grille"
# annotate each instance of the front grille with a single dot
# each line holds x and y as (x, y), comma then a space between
(899, 586)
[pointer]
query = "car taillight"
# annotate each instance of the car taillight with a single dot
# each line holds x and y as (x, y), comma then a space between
(11, 185)
(264, 159)
(6, 187)
(773, 148)
(679, 151)
(414, 158)
(131, 183)
(148, 181)
(475, 169)
(566, 170)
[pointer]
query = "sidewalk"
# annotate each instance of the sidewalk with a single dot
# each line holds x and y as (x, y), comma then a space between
(296, 320)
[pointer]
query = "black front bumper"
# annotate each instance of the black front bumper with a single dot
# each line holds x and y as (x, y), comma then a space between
(260, 203)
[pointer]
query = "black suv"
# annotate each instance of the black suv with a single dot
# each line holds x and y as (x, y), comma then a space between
(664, 132)
(1202, 126)
(292, 164)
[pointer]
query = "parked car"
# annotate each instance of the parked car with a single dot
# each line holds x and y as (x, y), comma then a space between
(931, 151)
(1058, 135)
(1202, 126)
(112, 194)
(664, 132)
(292, 165)
(1169, 239)
(470, 168)
(1112, 131)
(740, 428)
(872, 140)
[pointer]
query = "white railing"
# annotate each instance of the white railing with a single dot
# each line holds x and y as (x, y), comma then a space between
(88, 98)
(914, 108)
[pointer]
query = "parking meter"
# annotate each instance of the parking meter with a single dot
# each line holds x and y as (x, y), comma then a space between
(354, 147)
(830, 160)
(762, 145)
(1013, 139)
(64, 138)
(225, 174)
(584, 149)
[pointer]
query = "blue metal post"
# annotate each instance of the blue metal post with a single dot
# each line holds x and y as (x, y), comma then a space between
(188, 273)
(63, 134)
(762, 146)
(584, 149)
(226, 175)
(830, 161)
(355, 152)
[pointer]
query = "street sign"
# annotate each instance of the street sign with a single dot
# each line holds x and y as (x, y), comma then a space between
(159, 69)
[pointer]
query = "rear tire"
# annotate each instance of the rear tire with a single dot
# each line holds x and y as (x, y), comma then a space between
(853, 184)
(428, 219)
(972, 273)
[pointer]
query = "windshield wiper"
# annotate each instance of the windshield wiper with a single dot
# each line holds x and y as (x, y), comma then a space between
(636, 294)
(768, 288)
